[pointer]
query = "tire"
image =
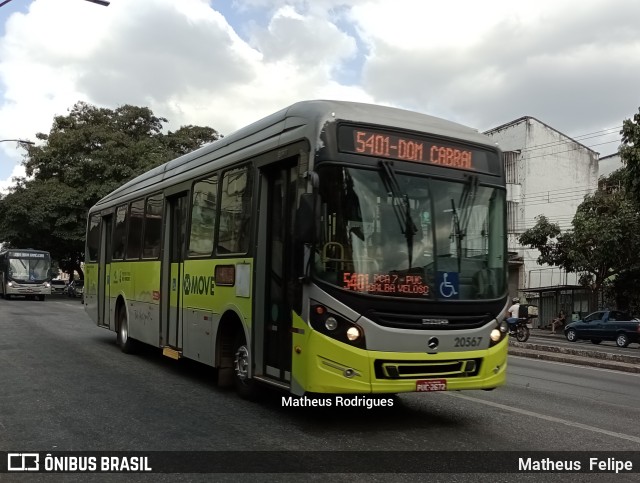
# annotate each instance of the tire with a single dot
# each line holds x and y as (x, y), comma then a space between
(571, 335)
(245, 386)
(596, 341)
(126, 343)
(622, 340)
(522, 333)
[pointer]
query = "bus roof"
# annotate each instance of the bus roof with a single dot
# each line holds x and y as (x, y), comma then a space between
(300, 120)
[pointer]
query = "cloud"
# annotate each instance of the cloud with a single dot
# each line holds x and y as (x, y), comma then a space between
(571, 64)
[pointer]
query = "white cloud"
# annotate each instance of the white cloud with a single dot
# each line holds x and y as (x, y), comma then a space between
(571, 63)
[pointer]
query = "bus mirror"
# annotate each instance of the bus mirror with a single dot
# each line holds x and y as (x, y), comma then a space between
(305, 217)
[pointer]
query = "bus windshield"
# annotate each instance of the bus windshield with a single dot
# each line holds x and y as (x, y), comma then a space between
(29, 269)
(399, 235)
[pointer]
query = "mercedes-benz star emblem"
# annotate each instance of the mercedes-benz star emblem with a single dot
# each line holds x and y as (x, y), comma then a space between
(433, 343)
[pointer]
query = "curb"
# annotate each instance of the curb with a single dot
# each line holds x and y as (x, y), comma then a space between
(583, 357)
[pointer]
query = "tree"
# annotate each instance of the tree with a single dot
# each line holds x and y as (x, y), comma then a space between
(87, 154)
(630, 154)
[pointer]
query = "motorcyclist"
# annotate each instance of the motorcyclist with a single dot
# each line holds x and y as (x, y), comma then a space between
(512, 311)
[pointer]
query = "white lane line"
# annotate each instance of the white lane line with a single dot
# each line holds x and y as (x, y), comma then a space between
(581, 366)
(552, 419)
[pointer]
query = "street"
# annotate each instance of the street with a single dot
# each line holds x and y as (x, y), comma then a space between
(67, 387)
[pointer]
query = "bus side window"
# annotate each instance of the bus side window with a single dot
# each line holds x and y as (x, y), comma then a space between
(152, 227)
(235, 211)
(136, 217)
(93, 239)
(203, 217)
(120, 233)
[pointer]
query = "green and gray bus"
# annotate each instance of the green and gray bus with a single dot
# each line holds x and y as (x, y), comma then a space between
(25, 272)
(331, 247)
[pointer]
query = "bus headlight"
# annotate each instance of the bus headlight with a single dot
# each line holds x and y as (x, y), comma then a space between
(331, 324)
(47, 285)
(336, 326)
(9, 284)
(353, 333)
(495, 335)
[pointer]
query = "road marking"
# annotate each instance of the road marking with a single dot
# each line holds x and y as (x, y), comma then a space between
(551, 419)
(581, 366)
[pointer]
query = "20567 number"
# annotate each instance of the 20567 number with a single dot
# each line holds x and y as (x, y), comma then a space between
(467, 341)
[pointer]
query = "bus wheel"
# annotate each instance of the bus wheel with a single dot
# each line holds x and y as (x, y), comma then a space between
(126, 344)
(245, 386)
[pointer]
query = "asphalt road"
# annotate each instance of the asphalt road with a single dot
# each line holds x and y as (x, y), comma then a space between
(67, 387)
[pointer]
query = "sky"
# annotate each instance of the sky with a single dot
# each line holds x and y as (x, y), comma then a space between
(572, 64)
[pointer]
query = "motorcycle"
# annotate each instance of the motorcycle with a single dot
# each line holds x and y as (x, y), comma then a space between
(521, 330)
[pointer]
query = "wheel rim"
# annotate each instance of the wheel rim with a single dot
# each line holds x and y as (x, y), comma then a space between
(571, 335)
(241, 363)
(622, 340)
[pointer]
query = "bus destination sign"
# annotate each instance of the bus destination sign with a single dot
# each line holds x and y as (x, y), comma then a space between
(405, 147)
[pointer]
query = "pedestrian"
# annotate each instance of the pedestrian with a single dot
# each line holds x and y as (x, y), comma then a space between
(559, 321)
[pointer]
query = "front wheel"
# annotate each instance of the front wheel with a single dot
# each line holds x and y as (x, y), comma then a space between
(522, 333)
(571, 335)
(622, 340)
(245, 386)
(126, 344)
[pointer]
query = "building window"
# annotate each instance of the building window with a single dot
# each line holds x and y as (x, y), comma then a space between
(510, 166)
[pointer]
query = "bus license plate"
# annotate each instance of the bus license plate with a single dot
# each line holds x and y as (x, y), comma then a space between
(429, 385)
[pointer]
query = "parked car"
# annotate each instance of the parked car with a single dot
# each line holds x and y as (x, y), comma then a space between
(76, 288)
(612, 325)
(58, 286)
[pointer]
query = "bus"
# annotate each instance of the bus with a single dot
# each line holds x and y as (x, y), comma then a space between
(25, 272)
(329, 248)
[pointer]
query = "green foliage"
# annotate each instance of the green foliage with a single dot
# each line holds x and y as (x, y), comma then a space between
(87, 154)
(630, 155)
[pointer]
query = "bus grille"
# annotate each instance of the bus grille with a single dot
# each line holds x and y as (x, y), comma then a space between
(429, 322)
(425, 369)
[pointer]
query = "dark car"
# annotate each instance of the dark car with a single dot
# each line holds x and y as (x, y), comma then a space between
(613, 325)
(76, 288)
(58, 286)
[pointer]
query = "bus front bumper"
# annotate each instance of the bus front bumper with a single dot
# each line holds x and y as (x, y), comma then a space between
(336, 368)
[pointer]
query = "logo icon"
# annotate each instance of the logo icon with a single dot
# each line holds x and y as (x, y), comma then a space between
(433, 343)
(23, 462)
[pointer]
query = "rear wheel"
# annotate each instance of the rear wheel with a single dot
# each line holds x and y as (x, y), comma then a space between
(245, 386)
(126, 344)
(622, 340)
(571, 335)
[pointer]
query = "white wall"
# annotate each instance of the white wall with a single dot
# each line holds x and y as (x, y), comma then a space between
(554, 174)
(609, 164)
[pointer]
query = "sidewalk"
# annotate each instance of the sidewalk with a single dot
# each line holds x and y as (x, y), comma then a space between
(581, 354)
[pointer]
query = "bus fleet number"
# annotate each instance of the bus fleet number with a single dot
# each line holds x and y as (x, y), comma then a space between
(467, 341)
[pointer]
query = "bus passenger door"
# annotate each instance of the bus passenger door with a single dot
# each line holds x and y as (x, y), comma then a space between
(104, 275)
(280, 277)
(172, 271)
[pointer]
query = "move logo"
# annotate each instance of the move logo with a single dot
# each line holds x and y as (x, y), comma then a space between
(198, 285)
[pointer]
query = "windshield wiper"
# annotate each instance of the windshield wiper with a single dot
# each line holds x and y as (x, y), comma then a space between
(402, 209)
(467, 198)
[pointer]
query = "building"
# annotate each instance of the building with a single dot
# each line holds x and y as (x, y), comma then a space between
(608, 164)
(549, 174)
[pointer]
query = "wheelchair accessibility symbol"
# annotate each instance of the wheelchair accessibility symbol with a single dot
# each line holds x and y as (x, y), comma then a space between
(448, 285)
